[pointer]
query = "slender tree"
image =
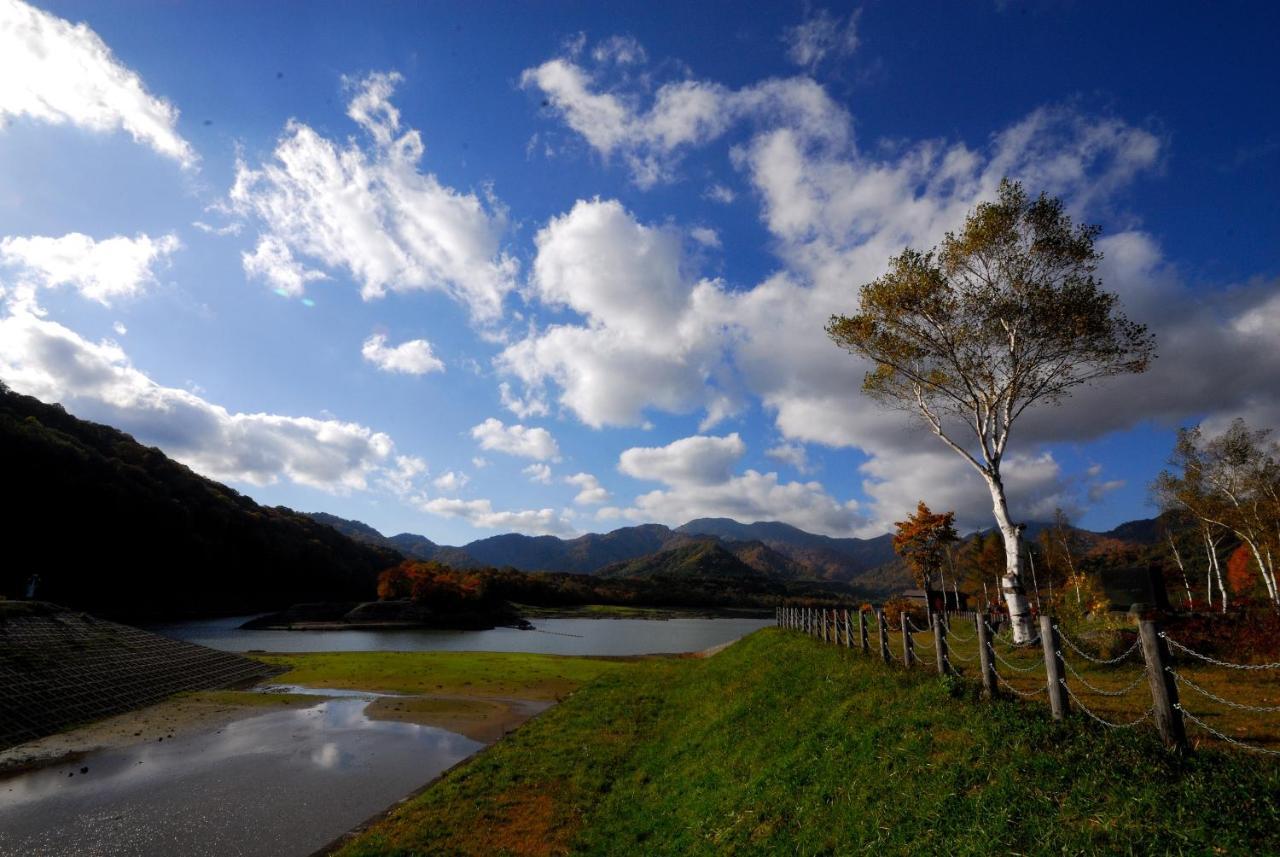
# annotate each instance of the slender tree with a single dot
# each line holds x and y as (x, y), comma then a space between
(1003, 315)
(923, 540)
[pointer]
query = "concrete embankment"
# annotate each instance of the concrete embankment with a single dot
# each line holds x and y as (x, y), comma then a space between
(59, 668)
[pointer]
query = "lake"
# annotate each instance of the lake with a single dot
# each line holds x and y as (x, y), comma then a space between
(551, 637)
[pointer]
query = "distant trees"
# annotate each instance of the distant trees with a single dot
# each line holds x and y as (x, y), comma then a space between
(1004, 314)
(1230, 486)
(923, 541)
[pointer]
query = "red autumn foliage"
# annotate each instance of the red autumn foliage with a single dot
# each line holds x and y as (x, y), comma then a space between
(1240, 573)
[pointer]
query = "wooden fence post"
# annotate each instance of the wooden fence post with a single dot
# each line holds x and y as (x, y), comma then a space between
(825, 627)
(848, 630)
(1164, 688)
(862, 631)
(883, 625)
(908, 647)
(1053, 669)
(940, 645)
(985, 661)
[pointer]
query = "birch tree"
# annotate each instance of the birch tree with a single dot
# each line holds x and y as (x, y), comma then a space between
(1229, 483)
(1004, 314)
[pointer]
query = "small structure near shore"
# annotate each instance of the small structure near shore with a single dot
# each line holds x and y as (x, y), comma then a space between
(60, 668)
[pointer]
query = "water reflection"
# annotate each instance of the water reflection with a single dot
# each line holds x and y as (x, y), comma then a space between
(552, 637)
(280, 783)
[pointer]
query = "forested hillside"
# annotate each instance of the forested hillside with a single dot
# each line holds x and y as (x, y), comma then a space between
(117, 528)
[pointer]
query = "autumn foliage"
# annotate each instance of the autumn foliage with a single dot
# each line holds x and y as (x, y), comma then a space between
(922, 540)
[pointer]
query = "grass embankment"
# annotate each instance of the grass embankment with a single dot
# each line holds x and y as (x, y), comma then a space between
(783, 745)
(619, 611)
(487, 674)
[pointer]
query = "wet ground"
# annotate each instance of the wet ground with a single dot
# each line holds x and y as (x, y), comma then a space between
(282, 783)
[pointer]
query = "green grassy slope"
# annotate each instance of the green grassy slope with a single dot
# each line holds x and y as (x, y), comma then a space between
(781, 745)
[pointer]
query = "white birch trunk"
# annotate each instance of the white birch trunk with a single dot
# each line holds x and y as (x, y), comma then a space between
(1186, 584)
(1015, 596)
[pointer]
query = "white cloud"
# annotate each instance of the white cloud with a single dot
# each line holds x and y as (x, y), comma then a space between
(413, 357)
(480, 513)
(623, 50)
(401, 478)
(531, 405)
(720, 193)
(649, 334)
(697, 460)
(897, 481)
(836, 215)
(273, 261)
(705, 235)
(749, 497)
(590, 491)
(233, 228)
(97, 381)
(119, 328)
(479, 462)
(372, 212)
(62, 73)
(683, 114)
(536, 443)
(101, 271)
(540, 473)
(451, 481)
(822, 35)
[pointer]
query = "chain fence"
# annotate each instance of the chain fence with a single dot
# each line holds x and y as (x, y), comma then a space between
(1081, 672)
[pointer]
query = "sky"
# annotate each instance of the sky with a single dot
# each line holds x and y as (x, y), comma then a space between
(466, 268)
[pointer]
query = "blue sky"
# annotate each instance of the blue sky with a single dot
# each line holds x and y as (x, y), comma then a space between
(459, 269)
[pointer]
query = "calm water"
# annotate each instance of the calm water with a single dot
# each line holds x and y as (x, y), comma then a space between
(284, 783)
(552, 637)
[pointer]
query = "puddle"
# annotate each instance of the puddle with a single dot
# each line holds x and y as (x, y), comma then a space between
(282, 783)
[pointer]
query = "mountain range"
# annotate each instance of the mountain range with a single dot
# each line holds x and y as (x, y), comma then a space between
(779, 550)
(112, 526)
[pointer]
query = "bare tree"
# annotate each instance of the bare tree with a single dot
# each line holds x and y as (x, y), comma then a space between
(1003, 315)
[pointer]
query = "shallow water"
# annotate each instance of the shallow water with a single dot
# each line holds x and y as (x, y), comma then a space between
(552, 637)
(281, 783)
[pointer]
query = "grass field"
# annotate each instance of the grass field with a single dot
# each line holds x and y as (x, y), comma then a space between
(492, 674)
(783, 745)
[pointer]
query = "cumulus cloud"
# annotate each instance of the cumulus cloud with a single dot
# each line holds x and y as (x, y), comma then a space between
(101, 271)
(540, 473)
(97, 381)
(682, 114)
(700, 483)
(821, 35)
(451, 481)
(413, 357)
(590, 491)
(697, 460)
(705, 235)
(749, 497)
(273, 262)
(720, 193)
(649, 335)
(623, 50)
(62, 73)
(401, 478)
(536, 443)
(371, 211)
(836, 214)
(481, 514)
